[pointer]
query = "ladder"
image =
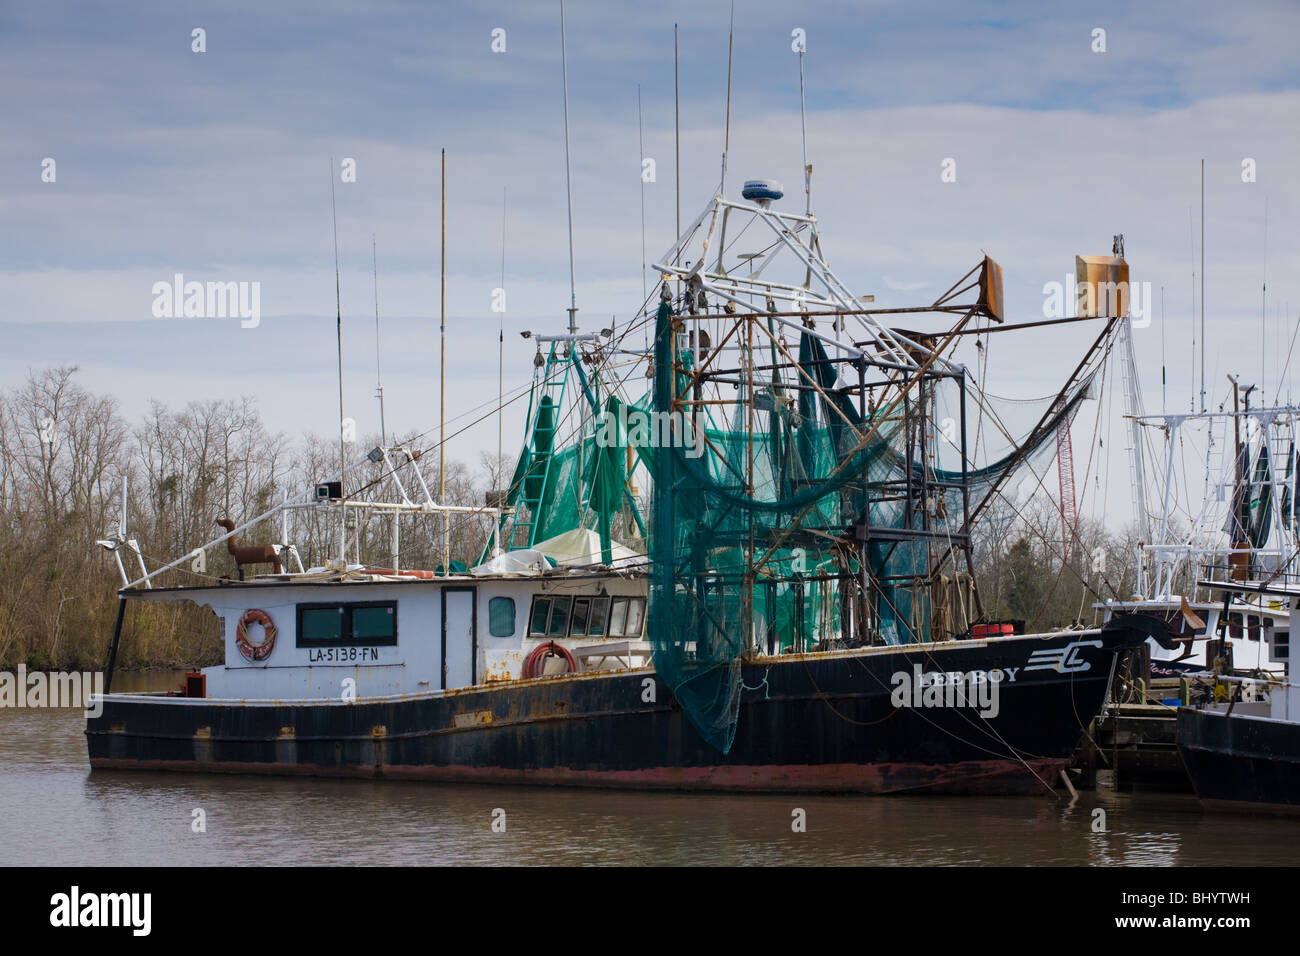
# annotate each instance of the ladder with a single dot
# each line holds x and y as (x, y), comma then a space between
(542, 432)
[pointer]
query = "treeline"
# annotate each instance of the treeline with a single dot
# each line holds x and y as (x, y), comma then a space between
(1023, 571)
(65, 456)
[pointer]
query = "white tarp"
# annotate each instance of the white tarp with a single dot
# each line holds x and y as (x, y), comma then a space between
(523, 561)
(579, 548)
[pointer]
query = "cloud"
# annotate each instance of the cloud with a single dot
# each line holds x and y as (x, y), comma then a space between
(217, 166)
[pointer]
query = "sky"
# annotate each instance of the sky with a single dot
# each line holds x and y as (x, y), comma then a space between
(218, 164)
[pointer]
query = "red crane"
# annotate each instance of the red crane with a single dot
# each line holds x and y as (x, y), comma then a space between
(1065, 470)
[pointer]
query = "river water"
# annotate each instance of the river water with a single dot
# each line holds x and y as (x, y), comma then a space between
(54, 810)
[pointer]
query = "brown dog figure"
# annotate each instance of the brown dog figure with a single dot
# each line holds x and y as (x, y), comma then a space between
(249, 553)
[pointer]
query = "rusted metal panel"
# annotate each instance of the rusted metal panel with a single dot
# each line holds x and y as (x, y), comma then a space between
(990, 298)
(1102, 286)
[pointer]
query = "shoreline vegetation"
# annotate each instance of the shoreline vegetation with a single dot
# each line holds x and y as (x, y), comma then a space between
(65, 453)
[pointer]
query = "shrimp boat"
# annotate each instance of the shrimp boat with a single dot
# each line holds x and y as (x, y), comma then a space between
(1242, 749)
(754, 575)
(1243, 531)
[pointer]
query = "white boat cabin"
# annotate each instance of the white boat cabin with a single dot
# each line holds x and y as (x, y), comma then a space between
(375, 635)
(1257, 632)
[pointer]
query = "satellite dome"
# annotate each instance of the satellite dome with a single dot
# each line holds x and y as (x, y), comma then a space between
(762, 191)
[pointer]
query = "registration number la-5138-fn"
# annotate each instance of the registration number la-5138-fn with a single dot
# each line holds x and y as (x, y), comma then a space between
(341, 655)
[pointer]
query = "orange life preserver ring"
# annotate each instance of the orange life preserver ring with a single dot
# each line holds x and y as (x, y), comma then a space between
(251, 651)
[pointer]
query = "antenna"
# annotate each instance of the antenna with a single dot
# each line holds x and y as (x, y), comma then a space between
(726, 137)
(379, 382)
(1191, 247)
(568, 184)
(677, 136)
(1164, 394)
(1202, 285)
(1263, 305)
(338, 316)
(442, 376)
(803, 129)
(501, 345)
(640, 140)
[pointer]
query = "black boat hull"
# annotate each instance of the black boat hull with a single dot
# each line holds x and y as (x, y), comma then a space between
(1241, 764)
(812, 722)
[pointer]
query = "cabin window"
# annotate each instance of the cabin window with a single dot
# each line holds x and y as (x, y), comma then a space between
(626, 617)
(550, 617)
(584, 616)
(589, 617)
(501, 617)
(559, 617)
(541, 615)
(372, 623)
(599, 615)
(581, 613)
(1281, 645)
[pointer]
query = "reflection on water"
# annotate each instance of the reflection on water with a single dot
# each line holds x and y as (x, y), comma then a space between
(53, 810)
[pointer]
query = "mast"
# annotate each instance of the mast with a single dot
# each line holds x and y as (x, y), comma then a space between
(568, 181)
(338, 316)
(640, 139)
(1263, 308)
(501, 345)
(677, 136)
(726, 137)
(1133, 399)
(1202, 285)
(803, 130)
(442, 378)
(379, 381)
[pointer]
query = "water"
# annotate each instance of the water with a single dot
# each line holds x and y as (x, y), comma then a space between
(54, 810)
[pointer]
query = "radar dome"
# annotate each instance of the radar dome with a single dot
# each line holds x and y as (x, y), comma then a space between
(762, 191)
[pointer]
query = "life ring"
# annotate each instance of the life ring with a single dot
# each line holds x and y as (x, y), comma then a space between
(536, 662)
(251, 651)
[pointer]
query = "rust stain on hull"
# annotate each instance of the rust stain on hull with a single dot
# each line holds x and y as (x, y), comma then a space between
(967, 777)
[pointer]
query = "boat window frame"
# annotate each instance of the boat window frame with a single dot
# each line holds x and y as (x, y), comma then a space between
(549, 632)
(629, 601)
(346, 637)
(514, 615)
(599, 607)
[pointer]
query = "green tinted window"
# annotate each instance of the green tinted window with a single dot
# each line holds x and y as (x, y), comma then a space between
(559, 617)
(541, 615)
(373, 623)
(365, 622)
(322, 624)
(581, 610)
(599, 613)
(501, 617)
